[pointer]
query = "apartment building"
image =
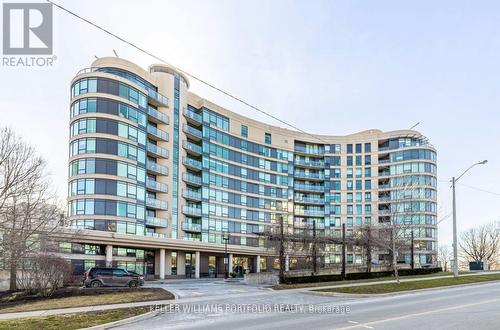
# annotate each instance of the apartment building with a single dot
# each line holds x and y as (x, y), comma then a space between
(164, 182)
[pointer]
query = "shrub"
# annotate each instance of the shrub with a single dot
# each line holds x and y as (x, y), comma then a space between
(357, 276)
(44, 274)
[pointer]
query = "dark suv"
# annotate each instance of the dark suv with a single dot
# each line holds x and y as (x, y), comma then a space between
(100, 276)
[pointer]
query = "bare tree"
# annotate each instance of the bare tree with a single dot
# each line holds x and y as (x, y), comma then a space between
(29, 215)
(481, 243)
(394, 234)
(444, 256)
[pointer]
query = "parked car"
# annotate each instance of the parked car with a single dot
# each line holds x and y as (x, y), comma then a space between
(102, 276)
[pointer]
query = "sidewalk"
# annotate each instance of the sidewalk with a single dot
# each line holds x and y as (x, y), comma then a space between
(8, 316)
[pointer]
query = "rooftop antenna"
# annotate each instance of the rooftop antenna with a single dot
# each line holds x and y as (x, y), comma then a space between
(415, 125)
(116, 54)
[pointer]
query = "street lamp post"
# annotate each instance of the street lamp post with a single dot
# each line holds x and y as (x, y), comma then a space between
(455, 240)
(225, 237)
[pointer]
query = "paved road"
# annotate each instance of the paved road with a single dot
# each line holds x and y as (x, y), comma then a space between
(476, 307)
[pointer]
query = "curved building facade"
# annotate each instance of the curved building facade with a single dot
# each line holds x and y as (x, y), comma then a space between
(161, 179)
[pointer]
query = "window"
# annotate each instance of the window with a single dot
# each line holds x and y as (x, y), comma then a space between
(368, 184)
(244, 131)
(368, 147)
(349, 148)
(349, 160)
(368, 160)
(358, 148)
(268, 138)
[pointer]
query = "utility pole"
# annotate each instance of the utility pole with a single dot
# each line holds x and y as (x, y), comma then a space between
(412, 250)
(343, 252)
(455, 243)
(455, 240)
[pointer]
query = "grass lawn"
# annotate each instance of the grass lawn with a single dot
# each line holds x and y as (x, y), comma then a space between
(416, 285)
(129, 295)
(319, 284)
(72, 321)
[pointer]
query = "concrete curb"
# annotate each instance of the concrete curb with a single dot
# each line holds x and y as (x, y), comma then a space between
(121, 322)
(356, 295)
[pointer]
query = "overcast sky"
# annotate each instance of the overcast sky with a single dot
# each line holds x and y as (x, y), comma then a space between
(329, 67)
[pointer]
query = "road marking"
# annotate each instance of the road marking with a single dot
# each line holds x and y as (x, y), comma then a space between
(353, 322)
(367, 324)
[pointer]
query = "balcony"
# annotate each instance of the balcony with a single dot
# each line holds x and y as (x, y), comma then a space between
(384, 185)
(309, 200)
(156, 168)
(156, 222)
(156, 186)
(384, 212)
(309, 163)
(384, 173)
(155, 235)
(310, 213)
(156, 203)
(192, 164)
(192, 117)
(310, 176)
(191, 211)
(308, 187)
(192, 179)
(192, 132)
(157, 116)
(384, 199)
(157, 134)
(154, 150)
(157, 99)
(191, 148)
(383, 161)
(191, 227)
(309, 151)
(191, 195)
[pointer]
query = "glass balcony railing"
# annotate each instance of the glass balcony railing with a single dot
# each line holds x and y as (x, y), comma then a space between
(159, 116)
(192, 211)
(156, 203)
(191, 194)
(157, 151)
(163, 100)
(191, 178)
(157, 133)
(308, 187)
(192, 115)
(155, 235)
(309, 200)
(192, 227)
(191, 147)
(156, 222)
(384, 173)
(193, 163)
(157, 168)
(189, 130)
(309, 163)
(310, 213)
(304, 175)
(311, 151)
(157, 186)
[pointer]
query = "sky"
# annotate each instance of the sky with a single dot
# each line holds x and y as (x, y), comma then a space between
(355, 65)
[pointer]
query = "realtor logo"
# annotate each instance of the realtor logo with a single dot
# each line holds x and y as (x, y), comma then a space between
(27, 29)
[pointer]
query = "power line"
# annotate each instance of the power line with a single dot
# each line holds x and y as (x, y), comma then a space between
(479, 189)
(232, 96)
